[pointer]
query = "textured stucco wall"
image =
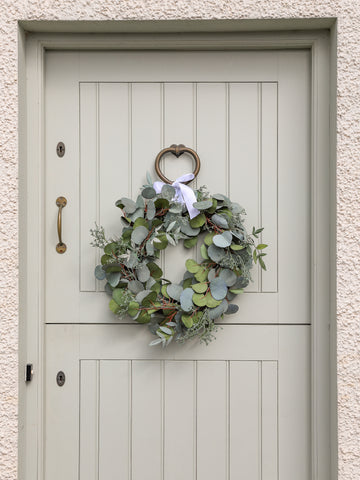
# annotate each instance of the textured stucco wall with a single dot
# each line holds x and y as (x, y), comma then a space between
(348, 169)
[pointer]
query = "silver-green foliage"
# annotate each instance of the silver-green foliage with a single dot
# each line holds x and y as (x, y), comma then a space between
(187, 309)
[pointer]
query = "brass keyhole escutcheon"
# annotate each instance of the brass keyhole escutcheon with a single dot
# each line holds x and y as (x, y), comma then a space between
(60, 149)
(60, 378)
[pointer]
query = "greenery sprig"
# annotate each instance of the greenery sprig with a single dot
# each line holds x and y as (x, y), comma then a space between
(135, 281)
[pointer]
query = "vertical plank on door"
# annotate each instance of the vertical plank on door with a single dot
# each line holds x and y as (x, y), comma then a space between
(212, 420)
(269, 185)
(212, 136)
(89, 420)
(179, 127)
(294, 402)
(89, 174)
(146, 131)
(244, 156)
(245, 420)
(147, 420)
(114, 431)
(179, 420)
(114, 152)
(269, 417)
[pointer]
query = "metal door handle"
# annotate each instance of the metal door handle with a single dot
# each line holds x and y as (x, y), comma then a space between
(61, 203)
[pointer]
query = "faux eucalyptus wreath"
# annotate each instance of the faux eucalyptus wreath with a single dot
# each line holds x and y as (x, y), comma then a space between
(165, 215)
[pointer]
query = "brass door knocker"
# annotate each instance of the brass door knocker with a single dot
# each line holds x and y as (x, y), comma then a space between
(176, 150)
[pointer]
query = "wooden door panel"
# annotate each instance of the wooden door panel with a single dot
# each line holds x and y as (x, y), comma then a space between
(253, 141)
(186, 413)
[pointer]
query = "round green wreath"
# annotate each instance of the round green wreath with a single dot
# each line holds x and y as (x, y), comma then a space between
(135, 281)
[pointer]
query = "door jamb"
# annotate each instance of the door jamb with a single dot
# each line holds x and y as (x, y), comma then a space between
(31, 150)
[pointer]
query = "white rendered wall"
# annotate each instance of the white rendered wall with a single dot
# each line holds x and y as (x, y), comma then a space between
(348, 171)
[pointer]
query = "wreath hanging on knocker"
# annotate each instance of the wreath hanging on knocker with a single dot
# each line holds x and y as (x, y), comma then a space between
(165, 214)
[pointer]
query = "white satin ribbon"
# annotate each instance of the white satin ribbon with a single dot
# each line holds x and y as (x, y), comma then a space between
(183, 194)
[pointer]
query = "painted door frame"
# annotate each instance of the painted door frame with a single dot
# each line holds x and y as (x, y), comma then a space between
(31, 131)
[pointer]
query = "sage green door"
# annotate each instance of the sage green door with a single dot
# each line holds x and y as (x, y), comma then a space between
(240, 407)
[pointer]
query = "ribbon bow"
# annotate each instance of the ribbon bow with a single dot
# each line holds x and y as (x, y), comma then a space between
(183, 193)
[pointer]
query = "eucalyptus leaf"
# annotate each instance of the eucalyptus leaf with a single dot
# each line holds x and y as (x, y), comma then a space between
(160, 242)
(186, 300)
(110, 248)
(238, 234)
(164, 291)
(190, 242)
(199, 299)
(132, 261)
(237, 209)
(148, 192)
(170, 240)
(171, 226)
(203, 251)
(228, 276)
(113, 278)
(208, 240)
(211, 274)
(219, 221)
(105, 259)
(143, 273)
(188, 230)
(168, 192)
(230, 296)
(236, 290)
(223, 240)
(186, 283)
(216, 312)
(140, 202)
(192, 266)
(218, 288)
(204, 204)
(150, 283)
(155, 342)
(135, 286)
(174, 291)
(114, 307)
(241, 282)
(211, 302)
(142, 295)
(232, 308)
(187, 320)
(201, 275)
(126, 204)
(108, 289)
(176, 208)
(144, 317)
(140, 221)
(119, 295)
(133, 308)
(200, 287)
(151, 210)
(139, 213)
(215, 253)
(219, 196)
(148, 178)
(166, 330)
(198, 221)
(161, 203)
(150, 249)
(236, 247)
(99, 272)
(139, 234)
(155, 270)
